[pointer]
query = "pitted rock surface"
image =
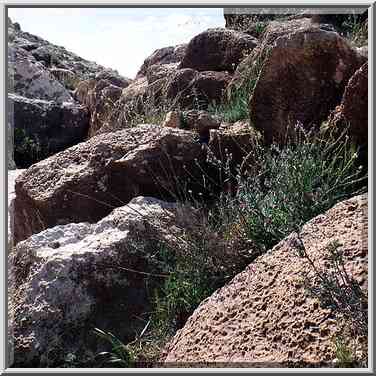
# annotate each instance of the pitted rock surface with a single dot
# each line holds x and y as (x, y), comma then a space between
(264, 316)
(87, 181)
(302, 78)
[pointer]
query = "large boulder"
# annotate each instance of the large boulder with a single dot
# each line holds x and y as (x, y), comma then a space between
(69, 279)
(302, 78)
(42, 128)
(353, 111)
(217, 50)
(30, 78)
(100, 96)
(188, 88)
(265, 315)
(87, 181)
(162, 56)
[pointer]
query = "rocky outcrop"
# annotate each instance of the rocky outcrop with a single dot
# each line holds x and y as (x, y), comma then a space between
(264, 316)
(162, 56)
(69, 279)
(87, 181)
(51, 56)
(42, 128)
(217, 50)
(30, 79)
(353, 111)
(302, 78)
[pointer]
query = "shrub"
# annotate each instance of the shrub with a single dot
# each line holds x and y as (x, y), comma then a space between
(292, 184)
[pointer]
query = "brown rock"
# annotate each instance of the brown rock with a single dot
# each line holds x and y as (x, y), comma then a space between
(302, 78)
(100, 97)
(217, 50)
(353, 111)
(173, 120)
(85, 182)
(166, 55)
(188, 88)
(264, 316)
(234, 142)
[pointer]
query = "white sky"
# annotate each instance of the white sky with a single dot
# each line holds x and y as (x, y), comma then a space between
(117, 38)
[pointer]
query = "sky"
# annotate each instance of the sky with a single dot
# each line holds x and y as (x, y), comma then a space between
(119, 38)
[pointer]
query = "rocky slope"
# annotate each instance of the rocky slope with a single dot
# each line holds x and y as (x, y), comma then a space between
(101, 209)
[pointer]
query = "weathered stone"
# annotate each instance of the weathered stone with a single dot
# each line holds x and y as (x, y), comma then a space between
(71, 278)
(114, 78)
(50, 55)
(100, 96)
(302, 78)
(173, 119)
(30, 79)
(353, 111)
(264, 316)
(162, 56)
(188, 88)
(233, 145)
(86, 181)
(217, 50)
(42, 128)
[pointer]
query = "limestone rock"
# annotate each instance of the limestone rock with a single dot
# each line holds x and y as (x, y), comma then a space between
(71, 278)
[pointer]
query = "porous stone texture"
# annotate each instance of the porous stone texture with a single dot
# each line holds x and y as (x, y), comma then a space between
(87, 181)
(302, 78)
(69, 279)
(217, 49)
(264, 316)
(42, 128)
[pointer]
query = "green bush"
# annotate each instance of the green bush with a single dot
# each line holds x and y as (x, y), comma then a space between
(292, 185)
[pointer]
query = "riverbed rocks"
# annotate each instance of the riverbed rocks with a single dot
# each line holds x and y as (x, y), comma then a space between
(264, 316)
(87, 181)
